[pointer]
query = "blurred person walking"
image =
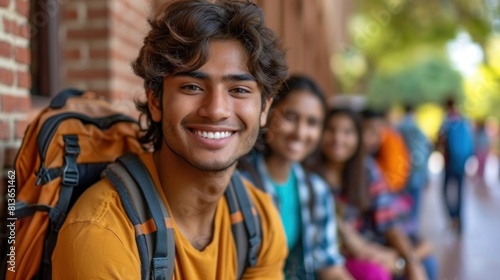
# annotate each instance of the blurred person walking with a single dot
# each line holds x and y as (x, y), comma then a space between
(455, 141)
(482, 148)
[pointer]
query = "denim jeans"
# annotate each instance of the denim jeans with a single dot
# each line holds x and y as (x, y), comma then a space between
(454, 207)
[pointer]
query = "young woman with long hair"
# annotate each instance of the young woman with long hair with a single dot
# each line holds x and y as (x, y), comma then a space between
(367, 225)
(302, 198)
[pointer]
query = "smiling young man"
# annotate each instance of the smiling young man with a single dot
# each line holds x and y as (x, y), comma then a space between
(210, 69)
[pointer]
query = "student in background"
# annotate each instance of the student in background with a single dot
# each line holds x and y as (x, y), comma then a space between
(388, 148)
(386, 145)
(482, 148)
(456, 143)
(365, 203)
(294, 128)
(420, 149)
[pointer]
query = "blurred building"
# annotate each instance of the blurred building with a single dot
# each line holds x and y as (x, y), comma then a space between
(47, 45)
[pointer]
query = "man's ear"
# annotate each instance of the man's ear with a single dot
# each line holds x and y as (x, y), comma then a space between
(154, 105)
(265, 111)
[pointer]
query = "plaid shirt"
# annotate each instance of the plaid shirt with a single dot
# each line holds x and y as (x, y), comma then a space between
(382, 213)
(319, 230)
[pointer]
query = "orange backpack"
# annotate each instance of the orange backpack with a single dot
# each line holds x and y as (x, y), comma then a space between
(63, 153)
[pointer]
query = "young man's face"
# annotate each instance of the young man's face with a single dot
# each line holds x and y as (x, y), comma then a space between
(211, 116)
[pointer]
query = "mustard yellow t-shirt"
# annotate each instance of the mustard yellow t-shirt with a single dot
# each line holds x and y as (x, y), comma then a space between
(97, 241)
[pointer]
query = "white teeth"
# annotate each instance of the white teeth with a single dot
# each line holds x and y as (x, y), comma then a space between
(213, 135)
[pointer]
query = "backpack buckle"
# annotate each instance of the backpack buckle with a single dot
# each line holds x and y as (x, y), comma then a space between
(70, 172)
(159, 268)
(71, 146)
(253, 250)
(42, 177)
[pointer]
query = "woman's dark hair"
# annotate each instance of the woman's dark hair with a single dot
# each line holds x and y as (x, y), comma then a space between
(354, 181)
(299, 82)
(179, 39)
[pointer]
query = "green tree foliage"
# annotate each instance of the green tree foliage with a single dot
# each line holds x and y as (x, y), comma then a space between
(399, 47)
(427, 81)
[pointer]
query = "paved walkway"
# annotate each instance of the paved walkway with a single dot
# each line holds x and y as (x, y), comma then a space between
(476, 254)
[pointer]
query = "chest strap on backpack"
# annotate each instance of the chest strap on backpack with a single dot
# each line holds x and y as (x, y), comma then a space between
(70, 179)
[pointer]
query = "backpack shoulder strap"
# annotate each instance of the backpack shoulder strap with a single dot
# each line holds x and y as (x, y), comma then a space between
(153, 229)
(246, 226)
(246, 164)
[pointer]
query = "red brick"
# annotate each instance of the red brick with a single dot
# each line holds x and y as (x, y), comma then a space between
(12, 103)
(99, 53)
(70, 54)
(9, 26)
(23, 79)
(70, 14)
(23, 55)
(6, 77)
(23, 30)
(5, 49)
(22, 7)
(4, 130)
(97, 13)
(87, 34)
(10, 157)
(20, 127)
(87, 74)
(4, 3)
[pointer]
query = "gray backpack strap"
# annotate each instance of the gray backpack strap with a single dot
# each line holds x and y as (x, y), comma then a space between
(142, 204)
(245, 224)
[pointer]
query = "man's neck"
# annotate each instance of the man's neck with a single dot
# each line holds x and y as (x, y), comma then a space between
(192, 195)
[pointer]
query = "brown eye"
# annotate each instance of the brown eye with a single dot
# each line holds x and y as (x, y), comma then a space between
(239, 90)
(191, 88)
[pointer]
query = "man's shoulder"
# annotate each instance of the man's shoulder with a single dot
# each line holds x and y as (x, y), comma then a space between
(96, 204)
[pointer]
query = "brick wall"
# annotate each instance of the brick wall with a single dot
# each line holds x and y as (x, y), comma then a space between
(99, 40)
(15, 81)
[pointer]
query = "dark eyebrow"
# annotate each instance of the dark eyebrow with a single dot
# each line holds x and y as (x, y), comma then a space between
(193, 74)
(239, 78)
(204, 76)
